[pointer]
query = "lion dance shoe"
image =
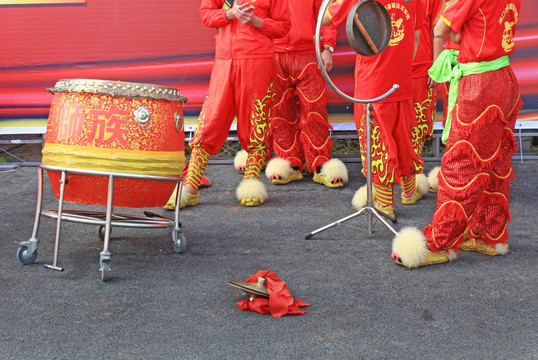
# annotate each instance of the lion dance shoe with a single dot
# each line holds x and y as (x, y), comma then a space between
(410, 249)
(421, 188)
(361, 198)
(412, 199)
(186, 200)
(294, 176)
(280, 172)
(384, 210)
(251, 192)
(189, 199)
(429, 259)
(171, 204)
(333, 174)
(481, 247)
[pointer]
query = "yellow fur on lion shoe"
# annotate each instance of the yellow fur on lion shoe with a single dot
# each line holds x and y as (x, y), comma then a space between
(251, 192)
(280, 172)
(481, 247)
(410, 249)
(333, 174)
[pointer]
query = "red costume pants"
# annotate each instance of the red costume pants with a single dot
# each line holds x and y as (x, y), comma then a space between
(299, 124)
(424, 102)
(392, 152)
(242, 87)
(474, 180)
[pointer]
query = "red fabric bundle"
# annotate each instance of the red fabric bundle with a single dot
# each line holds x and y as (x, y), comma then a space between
(280, 301)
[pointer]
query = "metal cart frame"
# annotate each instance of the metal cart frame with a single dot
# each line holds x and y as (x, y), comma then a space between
(27, 253)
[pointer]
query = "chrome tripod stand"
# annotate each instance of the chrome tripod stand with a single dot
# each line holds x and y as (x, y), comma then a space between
(368, 209)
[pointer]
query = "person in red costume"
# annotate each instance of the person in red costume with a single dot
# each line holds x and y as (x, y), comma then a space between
(473, 194)
(242, 84)
(441, 46)
(424, 96)
(393, 157)
(299, 125)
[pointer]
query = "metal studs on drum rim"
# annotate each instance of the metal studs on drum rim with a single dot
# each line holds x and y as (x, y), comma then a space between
(368, 27)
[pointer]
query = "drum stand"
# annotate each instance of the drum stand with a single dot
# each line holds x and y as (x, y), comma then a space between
(369, 207)
(27, 253)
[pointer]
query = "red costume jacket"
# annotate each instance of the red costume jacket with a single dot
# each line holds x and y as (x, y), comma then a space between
(300, 39)
(424, 57)
(236, 41)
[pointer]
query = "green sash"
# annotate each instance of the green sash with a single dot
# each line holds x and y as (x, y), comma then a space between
(447, 68)
(227, 4)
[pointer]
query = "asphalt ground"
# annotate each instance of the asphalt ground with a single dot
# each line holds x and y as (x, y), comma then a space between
(159, 304)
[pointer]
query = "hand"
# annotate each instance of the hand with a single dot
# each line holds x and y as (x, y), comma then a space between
(431, 83)
(455, 37)
(236, 11)
(327, 59)
(249, 18)
(245, 15)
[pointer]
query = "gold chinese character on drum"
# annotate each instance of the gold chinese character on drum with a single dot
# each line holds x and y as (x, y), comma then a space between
(115, 126)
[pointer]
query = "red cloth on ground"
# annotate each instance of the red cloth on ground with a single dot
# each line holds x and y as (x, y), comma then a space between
(280, 301)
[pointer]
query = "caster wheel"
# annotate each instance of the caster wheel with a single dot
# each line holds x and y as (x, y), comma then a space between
(101, 233)
(180, 241)
(105, 269)
(25, 257)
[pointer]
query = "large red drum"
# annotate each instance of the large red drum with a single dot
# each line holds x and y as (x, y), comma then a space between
(115, 126)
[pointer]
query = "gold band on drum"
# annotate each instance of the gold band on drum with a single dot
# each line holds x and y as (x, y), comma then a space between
(162, 163)
(117, 88)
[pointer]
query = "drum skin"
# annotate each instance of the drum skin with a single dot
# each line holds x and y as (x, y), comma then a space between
(376, 21)
(115, 127)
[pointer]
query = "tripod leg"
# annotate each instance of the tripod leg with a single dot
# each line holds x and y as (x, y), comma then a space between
(371, 211)
(338, 222)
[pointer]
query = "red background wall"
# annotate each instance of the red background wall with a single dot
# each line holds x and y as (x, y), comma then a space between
(159, 42)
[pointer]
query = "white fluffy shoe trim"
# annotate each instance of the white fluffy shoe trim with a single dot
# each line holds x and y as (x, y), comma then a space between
(422, 184)
(335, 169)
(360, 198)
(452, 255)
(278, 168)
(432, 177)
(502, 249)
(410, 246)
(240, 160)
(251, 189)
